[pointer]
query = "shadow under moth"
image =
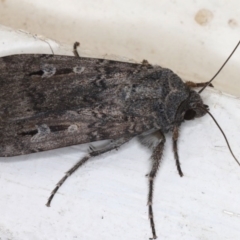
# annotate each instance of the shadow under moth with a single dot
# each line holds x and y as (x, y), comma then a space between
(49, 102)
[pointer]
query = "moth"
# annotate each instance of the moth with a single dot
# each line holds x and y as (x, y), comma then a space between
(49, 102)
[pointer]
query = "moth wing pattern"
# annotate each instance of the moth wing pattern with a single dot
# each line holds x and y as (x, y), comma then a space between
(50, 101)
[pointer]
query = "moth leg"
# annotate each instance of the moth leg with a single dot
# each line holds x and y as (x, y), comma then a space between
(196, 85)
(175, 149)
(156, 159)
(145, 62)
(93, 153)
(75, 51)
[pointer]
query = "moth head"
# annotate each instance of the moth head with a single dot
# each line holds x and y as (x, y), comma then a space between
(193, 107)
(194, 110)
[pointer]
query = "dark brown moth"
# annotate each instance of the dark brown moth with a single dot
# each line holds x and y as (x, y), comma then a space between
(49, 101)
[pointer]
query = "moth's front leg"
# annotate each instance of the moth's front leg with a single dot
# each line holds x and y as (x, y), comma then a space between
(196, 85)
(175, 149)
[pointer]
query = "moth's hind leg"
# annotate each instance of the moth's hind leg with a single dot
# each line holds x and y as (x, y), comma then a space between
(115, 144)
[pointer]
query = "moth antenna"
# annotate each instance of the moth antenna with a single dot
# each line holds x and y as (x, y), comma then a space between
(220, 68)
(222, 133)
